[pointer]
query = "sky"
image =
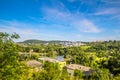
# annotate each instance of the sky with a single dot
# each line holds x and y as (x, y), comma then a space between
(72, 20)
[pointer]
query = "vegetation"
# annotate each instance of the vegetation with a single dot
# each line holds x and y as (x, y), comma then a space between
(10, 67)
(34, 41)
(103, 57)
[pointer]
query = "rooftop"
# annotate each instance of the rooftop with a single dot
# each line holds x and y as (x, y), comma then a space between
(34, 63)
(79, 67)
(49, 59)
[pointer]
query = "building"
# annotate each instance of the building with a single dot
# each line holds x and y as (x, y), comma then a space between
(60, 63)
(72, 67)
(34, 63)
(70, 43)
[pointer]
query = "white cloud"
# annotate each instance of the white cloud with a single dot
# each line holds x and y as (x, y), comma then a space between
(86, 26)
(116, 17)
(111, 1)
(53, 13)
(27, 31)
(107, 11)
(73, 20)
(113, 12)
(15, 26)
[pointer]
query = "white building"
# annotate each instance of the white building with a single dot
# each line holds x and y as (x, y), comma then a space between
(72, 67)
(69, 43)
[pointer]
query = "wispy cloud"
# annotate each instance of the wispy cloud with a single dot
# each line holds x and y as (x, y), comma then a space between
(59, 19)
(86, 26)
(55, 14)
(73, 20)
(27, 31)
(109, 8)
(111, 1)
(116, 17)
(15, 26)
(107, 11)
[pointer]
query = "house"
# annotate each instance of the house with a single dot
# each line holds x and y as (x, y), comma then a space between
(60, 63)
(72, 67)
(34, 63)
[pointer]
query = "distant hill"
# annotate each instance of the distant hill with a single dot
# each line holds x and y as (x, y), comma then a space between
(34, 41)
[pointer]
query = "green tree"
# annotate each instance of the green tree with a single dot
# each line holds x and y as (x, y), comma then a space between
(78, 74)
(102, 74)
(50, 72)
(10, 67)
(64, 74)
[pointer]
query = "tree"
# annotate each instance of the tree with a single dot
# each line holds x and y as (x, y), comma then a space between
(100, 74)
(78, 74)
(50, 72)
(64, 74)
(53, 72)
(10, 66)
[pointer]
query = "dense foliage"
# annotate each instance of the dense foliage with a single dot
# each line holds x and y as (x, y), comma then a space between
(102, 57)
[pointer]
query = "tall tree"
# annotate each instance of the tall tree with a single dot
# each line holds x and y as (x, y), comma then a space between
(10, 68)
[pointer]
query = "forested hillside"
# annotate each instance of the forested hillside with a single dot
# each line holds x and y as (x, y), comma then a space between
(34, 41)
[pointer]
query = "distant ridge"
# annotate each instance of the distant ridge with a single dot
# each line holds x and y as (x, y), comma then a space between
(35, 41)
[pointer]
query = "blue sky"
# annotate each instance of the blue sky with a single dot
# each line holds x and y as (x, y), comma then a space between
(75, 20)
